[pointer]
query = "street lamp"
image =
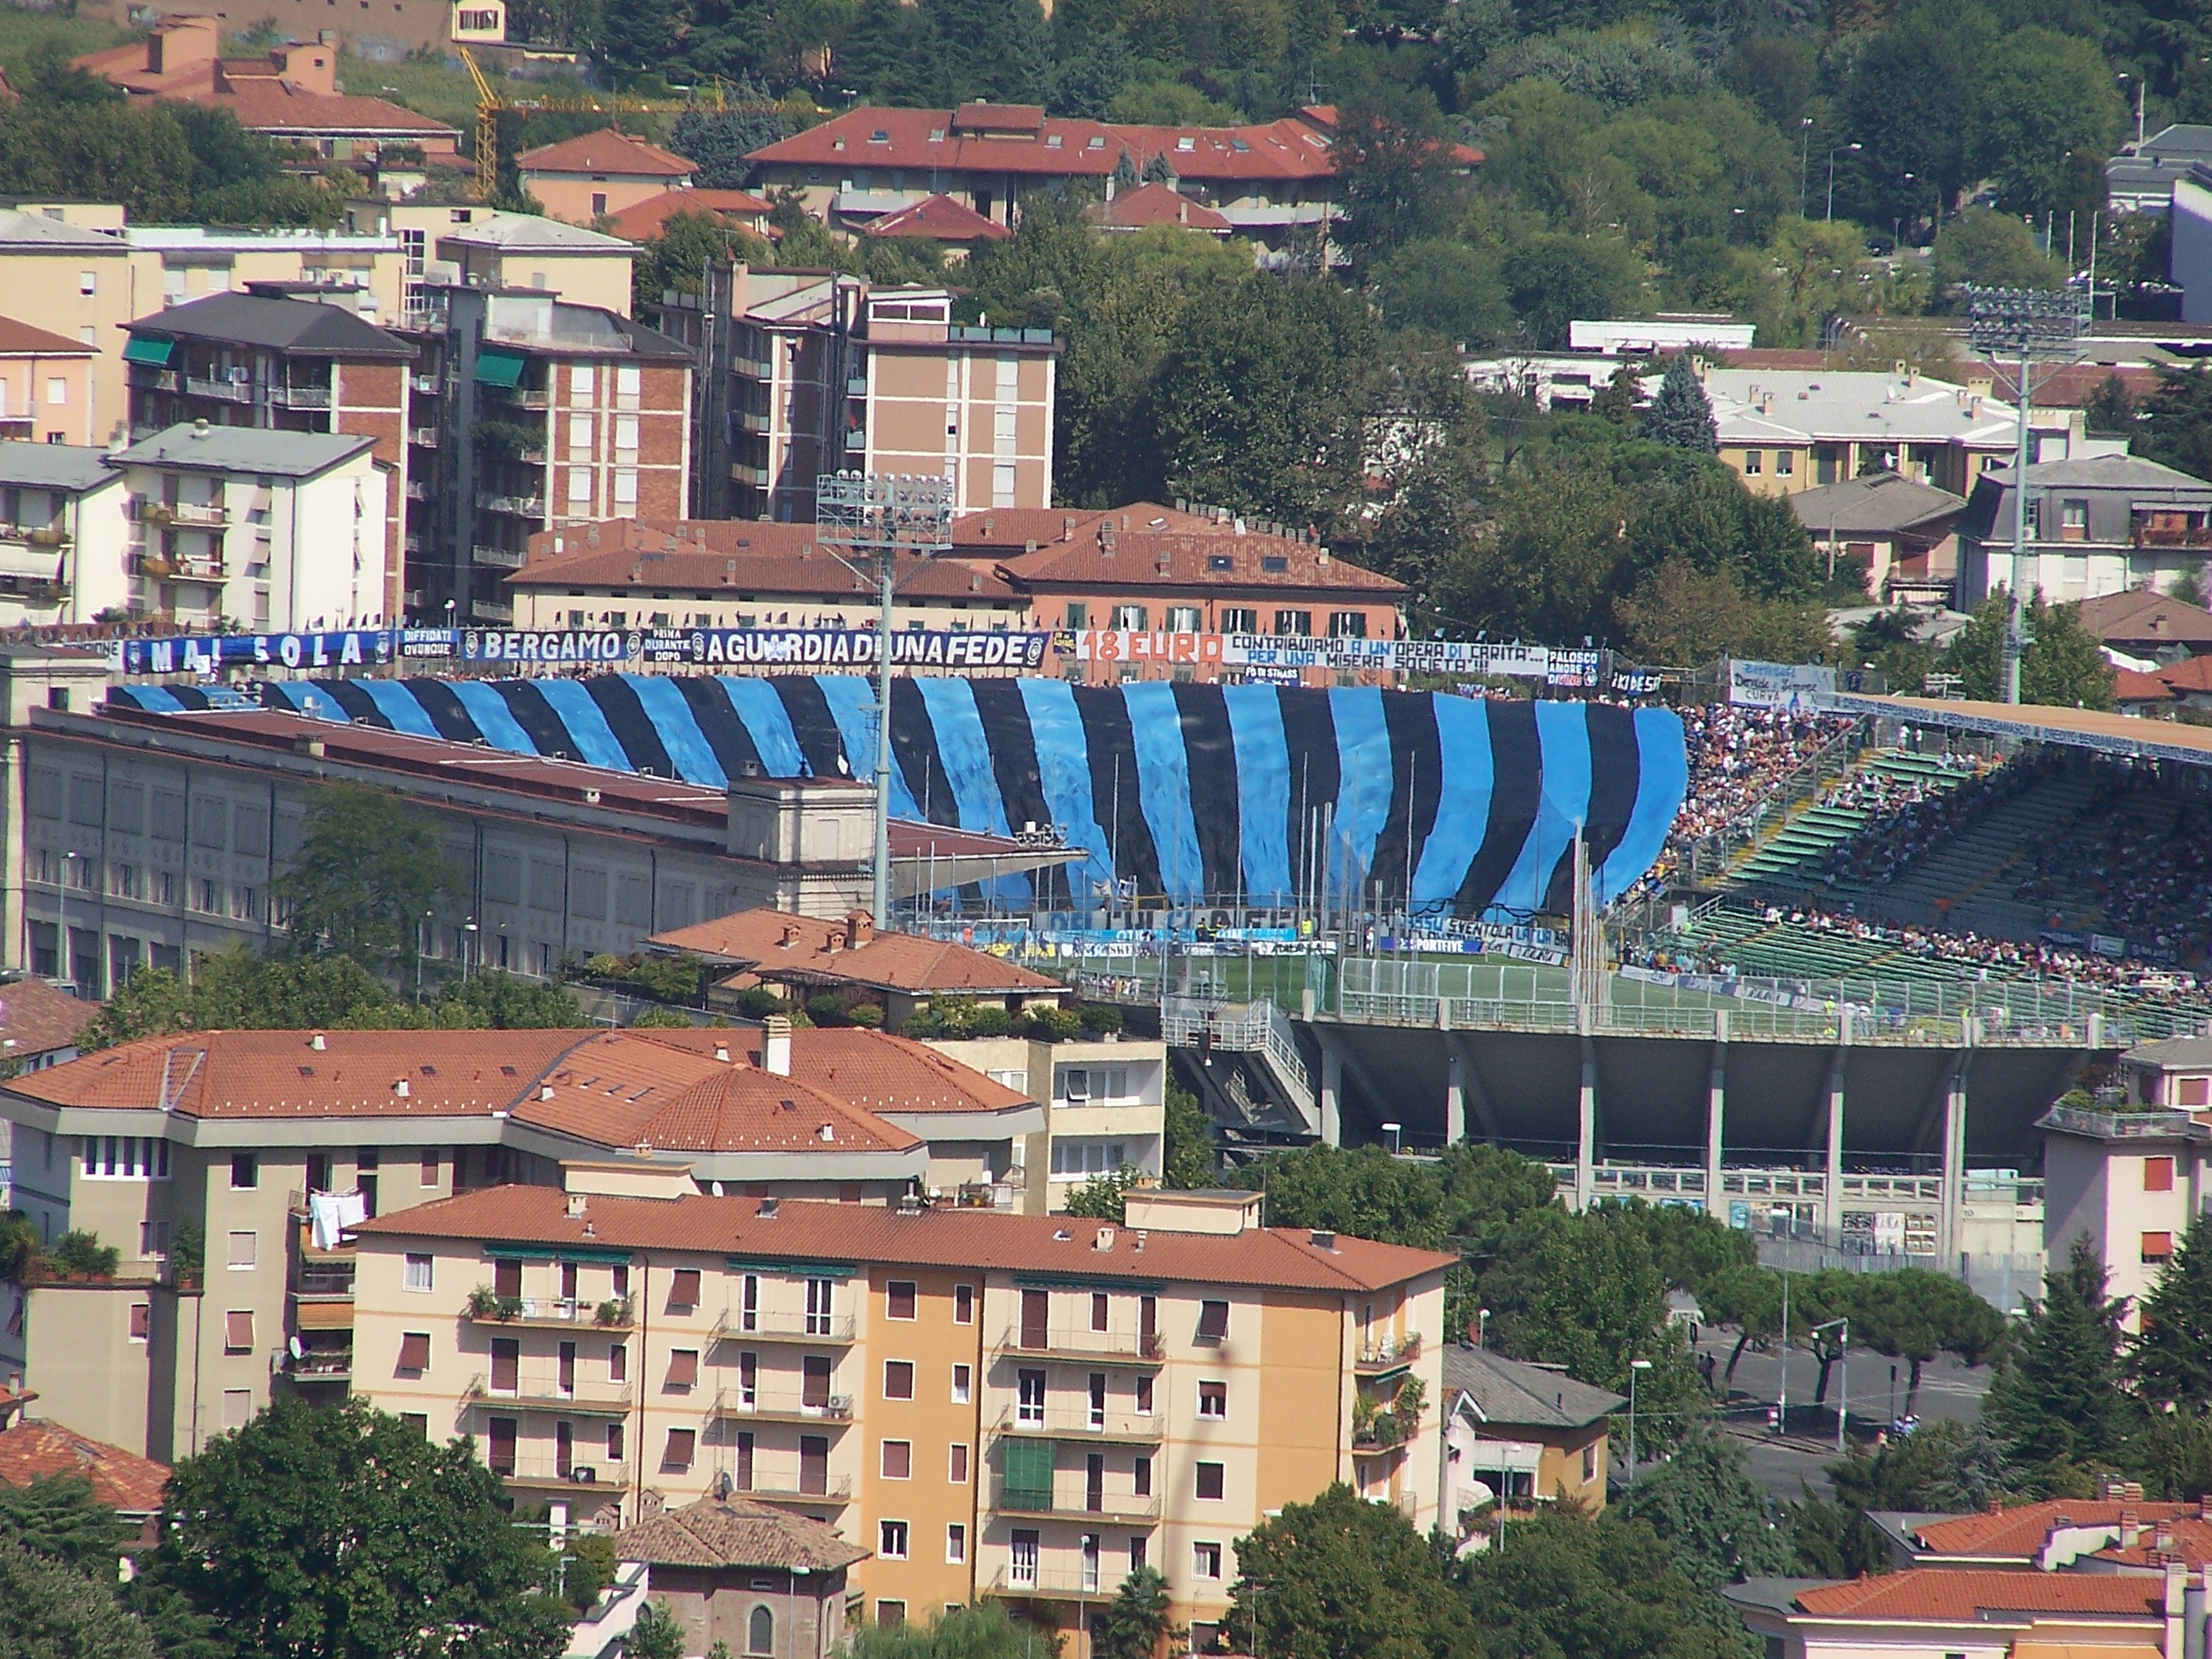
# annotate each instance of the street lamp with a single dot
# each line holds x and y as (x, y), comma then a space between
(468, 946)
(1481, 1328)
(1635, 1366)
(2123, 78)
(421, 950)
(68, 967)
(1832, 175)
(1843, 1374)
(1804, 154)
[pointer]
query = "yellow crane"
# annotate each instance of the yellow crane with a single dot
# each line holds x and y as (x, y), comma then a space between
(491, 103)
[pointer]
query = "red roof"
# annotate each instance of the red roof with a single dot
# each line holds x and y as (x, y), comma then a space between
(608, 151)
(640, 222)
(1157, 203)
(274, 107)
(1963, 1595)
(778, 945)
(751, 557)
(2130, 686)
(941, 219)
(2144, 615)
(39, 1450)
(21, 339)
(1274, 1257)
(2193, 674)
(1002, 140)
(1216, 557)
(37, 1018)
(2019, 1531)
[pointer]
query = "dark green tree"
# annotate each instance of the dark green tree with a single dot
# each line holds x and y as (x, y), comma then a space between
(1914, 1315)
(60, 1519)
(1994, 250)
(1551, 280)
(1680, 416)
(1445, 288)
(1749, 1298)
(1342, 1578)
(1911, 103)
(1397, 177)
(1362, 1191)
(2171, 1362)
(1704, 1505)
(340, 1533)
(2045, 98)
(658, 1634)
(368, 870)
(51, 1611)
(2176, 429)
(1134, 1624)
(720, 142)
(2111, 409)
(2059, 1400)
(1191, 1159)
(2062, 664)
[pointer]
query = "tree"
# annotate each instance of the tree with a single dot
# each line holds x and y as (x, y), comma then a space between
(689, 243)
(971, 1632)
(315, 1532)
(1394, 170)
(2176, 429)
(1679, 616)
(2062, 664)
(59, 1518)
(719, 142)
(1100, 1198)
(1680, 416)
(2047, 98)
(1945, 1467)
(1189, 1159)
(658, 1634)
(1135, 1622)
(1749, 1298)
(1342, 1578)
(2057, 1400)
(1914, 1315)
(1702, 1501)
(1446, 288)
(1911, 103)
(2171, 1362)
(1551, 280)
(2111, 410)
(368, 871)
(1361, 1192)
(1548, 568)
(49, 1611)
(1993, 250)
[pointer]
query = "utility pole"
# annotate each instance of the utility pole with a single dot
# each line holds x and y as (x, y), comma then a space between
(874, 516)
(2028, 323)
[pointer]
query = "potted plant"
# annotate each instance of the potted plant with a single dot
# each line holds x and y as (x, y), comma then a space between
(615, 1310)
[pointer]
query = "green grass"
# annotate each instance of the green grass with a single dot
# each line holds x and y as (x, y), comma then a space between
(26, 35)
(430, 87)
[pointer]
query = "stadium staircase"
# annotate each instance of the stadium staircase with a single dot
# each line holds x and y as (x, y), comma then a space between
(1792, 861)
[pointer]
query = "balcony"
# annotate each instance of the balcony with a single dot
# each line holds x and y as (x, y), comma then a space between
(2163, 535)
(199, 515)
(317, 1367)
(36, 535)
(822, 1489)
(1119, 1508)
(300, 396)
(543, 1472)
(228, 392)
(425, 436)
(550, 1313)
(1387, 1354)
(427, 384)
(834, 1412)
(157, 567)
(155, 380)
(1079, 1423)
(1384, 1431)
(526, 396)
(417, 490)
(1090, 1347)
(1049, 1584)
(520, 507)
(506, 558)
(815, 1330)
(542, 1390)
(491, 610)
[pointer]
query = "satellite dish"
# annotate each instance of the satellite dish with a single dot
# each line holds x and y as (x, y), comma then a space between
(298, 1351)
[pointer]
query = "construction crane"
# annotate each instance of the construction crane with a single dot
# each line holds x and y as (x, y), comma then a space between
(490, 105)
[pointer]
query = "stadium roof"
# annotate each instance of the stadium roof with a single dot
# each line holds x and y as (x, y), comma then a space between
(2078, 728)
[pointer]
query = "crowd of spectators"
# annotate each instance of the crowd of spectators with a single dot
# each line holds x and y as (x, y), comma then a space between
(1914, 818)
(2139, 867)
(1738, 759)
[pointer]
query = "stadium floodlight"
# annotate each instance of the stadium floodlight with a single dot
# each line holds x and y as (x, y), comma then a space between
(2024, 323)
(874, 516)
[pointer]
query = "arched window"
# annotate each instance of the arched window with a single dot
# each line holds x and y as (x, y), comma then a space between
(760, 1633)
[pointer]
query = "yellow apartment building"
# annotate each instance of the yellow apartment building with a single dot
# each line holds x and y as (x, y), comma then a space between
(1021, 1407)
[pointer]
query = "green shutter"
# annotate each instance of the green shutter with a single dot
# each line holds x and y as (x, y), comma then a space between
(1028, 1474)
(140, 348)
(499, 369)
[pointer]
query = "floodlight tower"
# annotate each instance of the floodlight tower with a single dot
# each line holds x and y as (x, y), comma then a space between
(867, 520)
(2029, 323)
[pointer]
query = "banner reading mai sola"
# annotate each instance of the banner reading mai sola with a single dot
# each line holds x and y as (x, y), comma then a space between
(1805, 687)
(204, 654)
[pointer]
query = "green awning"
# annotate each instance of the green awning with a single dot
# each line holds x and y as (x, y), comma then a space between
(595, 1254)
(499, 369)
(1029, 1467)
(142, 349)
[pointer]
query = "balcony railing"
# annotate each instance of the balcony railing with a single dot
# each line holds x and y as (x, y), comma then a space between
(1381, 1432)
(526, 397)
(1388, 1353)
(1055, 1583)
(157, 567)
(156, 379)
(300, 396)
(492, 611)
(1080, 1423)
(323, 1281)
(821, 1489)
(541, 1470)
(560, 1313)
(37, 535)
(426, 384)
(522, 507)
(2194, 535)
(228, 392)
(769, 1406)
(1072, 1342)
(542, 1390)
(1106, 1506)
(427, 437)
(334, 1365)
(506, 558)
(765, 1326)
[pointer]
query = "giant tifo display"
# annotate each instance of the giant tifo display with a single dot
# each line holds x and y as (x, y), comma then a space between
(1230, 793)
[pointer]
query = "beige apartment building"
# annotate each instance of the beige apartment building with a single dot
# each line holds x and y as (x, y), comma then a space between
(1021, 1407)
(263, 1145)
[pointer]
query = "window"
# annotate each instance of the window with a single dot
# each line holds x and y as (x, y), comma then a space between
(415, 1351)
(898, 1379)
(238, 1331)
(1098, 1308)
(242, 1251)
(598, 203)
(618, 1362)
(2158, 1174)
(141, 1320)
(2157, 1246)
(430, 1165)
(244, 1172)
(1029, 1398)
(618, 1442)
(237, 1408)
(2194, 1090)
(898, 1460)
(1132, 617)
(1347, 624)
(580, 385)
(684, 1368)
(760, 1632)
(1072, 1159)
(1590, 1464)
(1213, 1400)
(963, 1304)
(956, 1544)
(418, 1272)
(749, 1303)
(682, 1444)
(1140, 1476)
(1208, 1482)
(683, 1290)
(1144, 1396)
(1205, 1560)
(1294, 622)
(124, 1157)
(1785, 463)
(819, 1292)
(890, 1540)
(506, 1365)
(1213, 1321)
(88, 282)
(1239, 619)
(1137, 1551)
(1184, 619)
(625, 486)
(417, 1423)
(956, 1465)
(1022, 1558)
(2074, 518)
(900, 1299)
(579, 486)
(1079, 614)
(963, 1378)
(1752, 463)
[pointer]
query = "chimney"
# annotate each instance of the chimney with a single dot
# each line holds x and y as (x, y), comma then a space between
(316, 1043)
(1996, 1506)
(2130, 1529)
(859, 928)
(768, 1208)
(576, 1202)
(403, 1088)
(775, 1047)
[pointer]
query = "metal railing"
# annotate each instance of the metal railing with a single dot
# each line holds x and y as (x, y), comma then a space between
(1137, 1347)
(506, 558)
(834, 1489)
(2125, 1126)
(228, 392)
(1081, 1422)
(774, 1325)
(1388, 1352)
(543, 1389)
(771, 1405)
(522, 507)
(1709, 857)
(560, 1312)
(300, 396)
(1258, 1027)
(1108, 1506)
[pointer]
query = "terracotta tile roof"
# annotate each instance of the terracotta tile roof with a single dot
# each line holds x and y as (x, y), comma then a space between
(2194, 675)
(2142, 615)
(36, 1017)
(778, 560)
(778, 945)
(39, 1450)
(2130, 685)
(642, 221)
(941, 219)
(608, 151)
(1953, 1594)
(1157, 203)
(21, 339)
(1280, 1258)
(2019, 1531)
(1217, 557)
(872, 1069)
(2188, 1536)
(274, 107)
(735, 1532)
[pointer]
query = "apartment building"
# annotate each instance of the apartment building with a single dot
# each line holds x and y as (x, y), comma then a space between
(1022, 1407)
(539, 414)
(810, 372)
(2131, 1182)
(288, 359)
(582, 266)
(1104, 1110)
(2098, 526)
(595, 175)
(273, 530)
(64, 536)
(722, 572)
(265, 1146)
(45, 385)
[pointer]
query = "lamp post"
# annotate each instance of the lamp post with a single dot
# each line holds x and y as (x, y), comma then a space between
(68, 967)
(1804, 154)
(1636, 1367)
(874, 516)
(2029, 323)
(1481, 1329)
(1843, 1374)
(421, 950)
(2123, 78)
(468, 946)
(1832, 176)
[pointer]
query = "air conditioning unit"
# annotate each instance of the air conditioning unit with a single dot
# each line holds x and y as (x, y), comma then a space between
(839, 1405)
(584, 1474)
